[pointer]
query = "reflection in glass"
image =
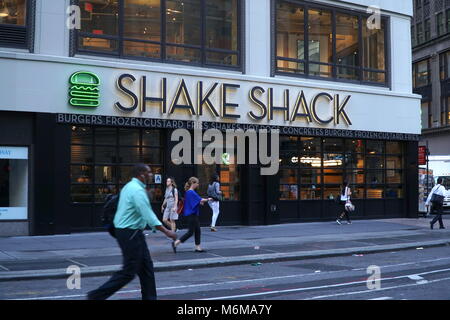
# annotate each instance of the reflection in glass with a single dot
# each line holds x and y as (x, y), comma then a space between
(222, 24)
(347, 46)
(310, 192)
(183, 22)
(13, 12)
(82, 135)
(81, 154)
(290, 36)
(310, 144)
(375, 147)
(320, 36)
(374, 46)
(81, 174)
(142, 20)
(288, 192)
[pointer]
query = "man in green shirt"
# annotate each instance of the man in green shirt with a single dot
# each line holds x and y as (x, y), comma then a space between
(134, 213)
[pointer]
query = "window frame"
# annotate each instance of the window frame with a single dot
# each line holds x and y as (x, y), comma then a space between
(29, 28)
(163, 43)
(364, 153)
(416, 73)
(306, 5)
(115, 166)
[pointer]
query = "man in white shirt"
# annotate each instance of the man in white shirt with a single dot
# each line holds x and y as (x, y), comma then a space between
(436, 206)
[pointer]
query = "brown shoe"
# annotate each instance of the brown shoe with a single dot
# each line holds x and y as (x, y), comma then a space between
(213, 229)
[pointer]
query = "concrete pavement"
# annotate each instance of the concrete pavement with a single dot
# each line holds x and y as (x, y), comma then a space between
(98, 253)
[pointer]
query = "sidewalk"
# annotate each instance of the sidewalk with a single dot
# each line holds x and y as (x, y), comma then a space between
(98, 253)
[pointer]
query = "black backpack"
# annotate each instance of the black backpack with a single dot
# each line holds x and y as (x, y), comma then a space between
(109, 212)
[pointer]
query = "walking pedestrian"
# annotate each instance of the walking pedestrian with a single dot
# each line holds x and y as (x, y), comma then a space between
(169, 206)
(191, 211)
(436, 198)
(345, 199)
(134, 213)
(214, 193)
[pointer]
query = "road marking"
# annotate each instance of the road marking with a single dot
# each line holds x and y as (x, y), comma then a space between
(4, 268)
(382, 298)
(322, 287)
(244, 281)
(76, 262)
(418, 279)
(382, 289)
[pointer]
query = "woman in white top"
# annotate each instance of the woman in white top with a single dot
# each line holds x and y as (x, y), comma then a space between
(345, 197)
(169, 206)
(440, 191)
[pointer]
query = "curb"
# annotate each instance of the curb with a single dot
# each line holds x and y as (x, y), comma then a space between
(219, 262)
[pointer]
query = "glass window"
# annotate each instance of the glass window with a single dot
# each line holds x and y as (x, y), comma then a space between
(347, 46)
(374, 50)
(440, 20)
(427, 30)
(288, 192)
(288, 184)
(420, 35)
(333, 176)
(333, 48)
(393, 176)
(320, 48)
(311, 176)
(230, 181)
(356, 146)
(191, 34)
(375, 147)
(13, 12)
(355, 176)
(309, 144)
(313, 192)
(99, 26)
(354, 160)
(290, 37)
(333, 145)
(102, 160)
(393, 147)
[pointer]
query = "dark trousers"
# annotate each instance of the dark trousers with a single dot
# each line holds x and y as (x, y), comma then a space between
(194, 228)
(345, 213)
(438, 210)
(136, 260)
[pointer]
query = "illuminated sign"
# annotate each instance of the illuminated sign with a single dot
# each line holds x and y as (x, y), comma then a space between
(84, 90)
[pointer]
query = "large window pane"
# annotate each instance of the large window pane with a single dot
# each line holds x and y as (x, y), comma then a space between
(81, 174)
(105, 155)
(374, 46)
(129, 155)
(310, 177)
(331, 192)
(375, 162)
(184, 22)
(320, 36)
(81, 154)
(106, 136)
(394, 176)
(309, 144)
(375, 147)
(222, 24)
(13, 12)
(288, 176)
(354, 146)
(422, 74)
(290, 66)
(333, 145)
(355, 176)
(82, 135)
(152, 155)
(142, 49)
(99, 17)
(230, 182)
(142, 20)
(105, 174)
(374, 178)
(129, 137)
(99, 45)
(183, 54)
(347, 48)
(81, 193)
(333, 176)
(310, 192)
(393, 147)
(290, 32)
(354, 160)
(288, 192)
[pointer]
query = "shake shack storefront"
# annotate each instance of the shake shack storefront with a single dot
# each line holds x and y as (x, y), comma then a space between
(95, 123)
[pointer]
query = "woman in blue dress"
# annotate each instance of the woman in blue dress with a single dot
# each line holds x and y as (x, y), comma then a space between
(191, 211)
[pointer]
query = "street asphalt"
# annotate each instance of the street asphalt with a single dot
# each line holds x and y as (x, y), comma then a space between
(96, 254)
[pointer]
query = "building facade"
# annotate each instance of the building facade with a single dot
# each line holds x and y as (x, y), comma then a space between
(90, 87)
(430, 31)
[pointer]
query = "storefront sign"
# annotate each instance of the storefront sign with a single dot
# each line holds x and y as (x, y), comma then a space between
(422, 155)
(84, 90)
(13, 153)
(261, 102)
(13, 213)
(83, 119)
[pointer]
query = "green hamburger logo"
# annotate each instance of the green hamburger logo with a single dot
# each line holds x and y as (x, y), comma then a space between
(84, 90)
